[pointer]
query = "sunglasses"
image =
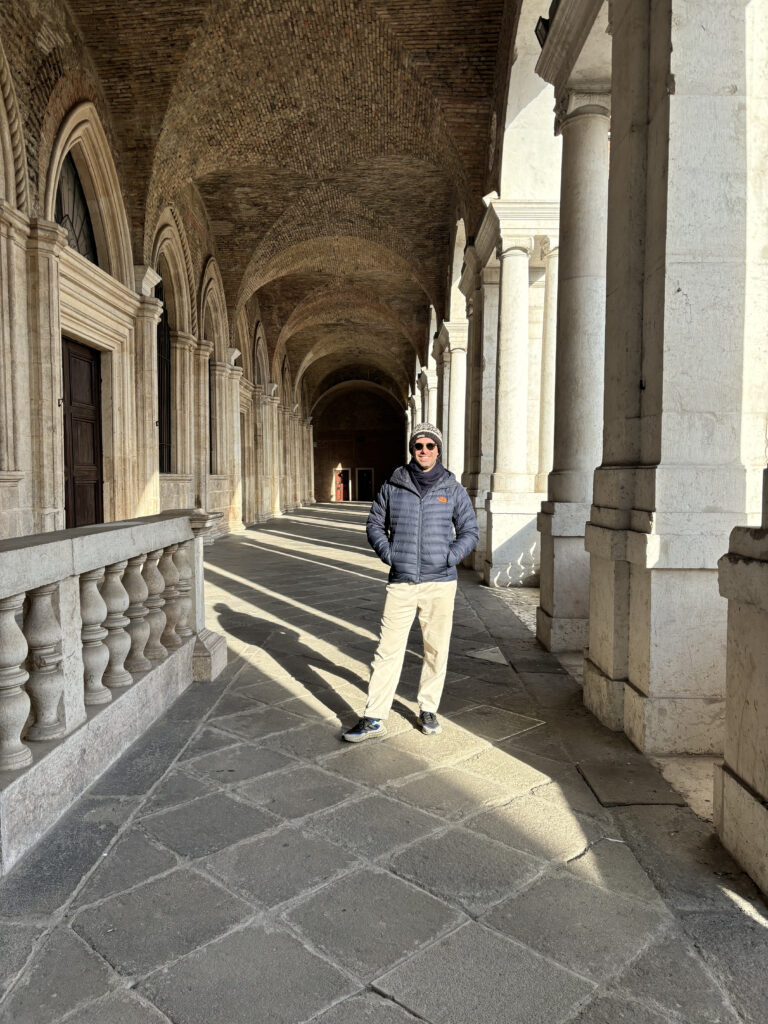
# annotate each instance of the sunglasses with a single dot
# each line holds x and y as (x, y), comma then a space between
(429, 445)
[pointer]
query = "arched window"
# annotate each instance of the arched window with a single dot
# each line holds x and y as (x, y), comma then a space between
(72, 211)
(164, 385)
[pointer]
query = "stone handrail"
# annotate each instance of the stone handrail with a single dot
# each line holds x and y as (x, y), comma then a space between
(84, 613)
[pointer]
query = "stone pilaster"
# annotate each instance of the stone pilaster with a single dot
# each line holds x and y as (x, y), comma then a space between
(45, 245)
(203, 440)
(183, 347)
(145, 361)
(674, 479)
(234, 460)
(562, 621)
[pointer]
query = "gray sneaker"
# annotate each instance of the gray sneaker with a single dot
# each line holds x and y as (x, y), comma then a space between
(365, 729)
(429, 723)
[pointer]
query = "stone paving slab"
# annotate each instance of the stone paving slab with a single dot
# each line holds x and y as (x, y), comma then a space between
(299, 791)
(118, 1008)
(479, 976)
(371, 920)
(159, 921)
(65, 973)
(16, 942)
(581, 926)
(449, 792)
(132, 860)
(374, 825)
(466, 869)
(207, 825)
(637, 783)
(551, 832)
(253, 976)
(238, 764)
(366, 1009)
(279, 867)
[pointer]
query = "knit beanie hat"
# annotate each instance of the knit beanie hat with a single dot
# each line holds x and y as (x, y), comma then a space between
(426, 430)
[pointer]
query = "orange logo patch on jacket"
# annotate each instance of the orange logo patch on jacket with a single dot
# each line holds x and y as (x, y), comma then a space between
(442, 499)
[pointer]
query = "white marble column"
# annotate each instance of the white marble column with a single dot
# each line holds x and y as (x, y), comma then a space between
(548, 349)
(511, 541)
(562, 621)
(457, 396)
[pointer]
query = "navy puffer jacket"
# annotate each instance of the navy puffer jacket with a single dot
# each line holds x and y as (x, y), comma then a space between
(414, 535)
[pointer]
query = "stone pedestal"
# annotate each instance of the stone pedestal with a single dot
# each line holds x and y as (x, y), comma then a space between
(562, 618)
(209, 658)
(741, 782)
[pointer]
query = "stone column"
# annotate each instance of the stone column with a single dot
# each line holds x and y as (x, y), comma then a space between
(46, 242)
(183, 347)
(234, 460)
(145, 451)
(456, 353)
(511, 541)
(562, 619)
(486, 321)
(547, 397)
(274, 461)
(203, 440)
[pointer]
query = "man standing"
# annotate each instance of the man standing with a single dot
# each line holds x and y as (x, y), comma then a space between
(411, 528)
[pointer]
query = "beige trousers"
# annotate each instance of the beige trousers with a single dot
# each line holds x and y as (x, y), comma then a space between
(434, 604)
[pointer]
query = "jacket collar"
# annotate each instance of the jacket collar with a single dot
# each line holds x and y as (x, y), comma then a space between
(402, 478)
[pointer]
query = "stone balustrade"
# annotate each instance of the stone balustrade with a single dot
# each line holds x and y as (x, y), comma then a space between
(101, 628)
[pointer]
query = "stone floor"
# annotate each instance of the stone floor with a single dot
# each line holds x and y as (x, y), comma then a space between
(240, 864)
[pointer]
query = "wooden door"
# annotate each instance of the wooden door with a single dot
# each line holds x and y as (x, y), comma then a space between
(364, 485)
(341, 484)
(83, 476)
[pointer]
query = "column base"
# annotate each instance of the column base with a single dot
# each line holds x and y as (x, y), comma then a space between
(512, 540)
(210, 656)
(558, 633)
(604, 696)
(674, 725)
(741, 821)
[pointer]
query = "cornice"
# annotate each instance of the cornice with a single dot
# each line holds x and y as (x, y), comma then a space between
(565, 40)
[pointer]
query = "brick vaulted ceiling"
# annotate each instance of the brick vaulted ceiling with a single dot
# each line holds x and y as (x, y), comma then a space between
(334, 144)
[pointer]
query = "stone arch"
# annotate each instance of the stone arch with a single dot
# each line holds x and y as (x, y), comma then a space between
(14, 180)
(246, 349)
(213, 311)
(82, 135)
(168, 252)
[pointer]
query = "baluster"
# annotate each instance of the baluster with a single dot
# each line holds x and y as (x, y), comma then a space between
(138, 630)
(14, 702)
(171, 595)
(45, 685)
(93, 611)
(118, 641)
(183, 562)
(155, 614)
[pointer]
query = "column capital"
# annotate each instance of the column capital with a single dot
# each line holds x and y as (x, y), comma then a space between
(46, 235)
(146, 279)
(509, 245)
(150, 309)
(204, 349)
(183, 342)
(571, 104)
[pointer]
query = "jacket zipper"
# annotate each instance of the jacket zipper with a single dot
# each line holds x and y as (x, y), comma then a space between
(418, 560)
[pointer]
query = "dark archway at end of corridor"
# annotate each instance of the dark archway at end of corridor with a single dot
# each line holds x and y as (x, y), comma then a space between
(360, 428)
